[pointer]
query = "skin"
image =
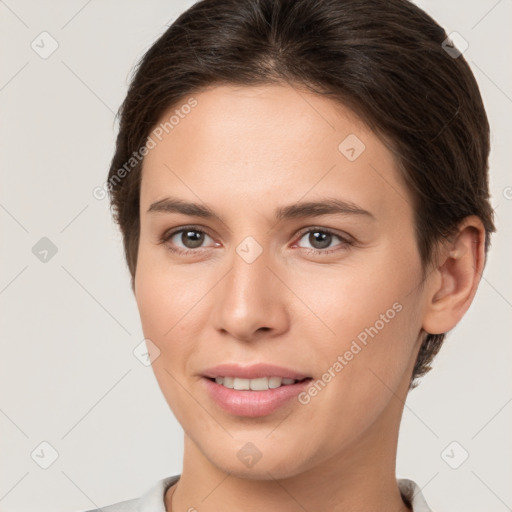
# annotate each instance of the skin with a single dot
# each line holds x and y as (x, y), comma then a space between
(244, 151)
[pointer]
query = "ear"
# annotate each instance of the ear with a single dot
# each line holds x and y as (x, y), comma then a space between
(454, 281)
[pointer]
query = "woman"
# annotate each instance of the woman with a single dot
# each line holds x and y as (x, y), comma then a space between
(302, 191)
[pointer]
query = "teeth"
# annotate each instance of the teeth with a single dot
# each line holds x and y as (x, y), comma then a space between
(274, 382)
(260, 384)
(228, 382)
(241, 383)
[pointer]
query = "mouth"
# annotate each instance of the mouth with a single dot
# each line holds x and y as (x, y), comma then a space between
(258, 384)
(254, 391)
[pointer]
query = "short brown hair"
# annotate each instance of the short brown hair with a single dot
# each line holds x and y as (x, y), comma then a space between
(386, 61)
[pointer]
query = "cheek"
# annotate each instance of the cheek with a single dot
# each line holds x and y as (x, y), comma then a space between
(370, 296)
(163, 295)
(164, 300)
(166, 306)
(369, 315)
(361, 369)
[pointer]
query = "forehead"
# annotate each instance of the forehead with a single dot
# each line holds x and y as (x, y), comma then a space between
(265, 143)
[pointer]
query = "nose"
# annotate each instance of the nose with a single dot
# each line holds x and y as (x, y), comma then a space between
(250, 302)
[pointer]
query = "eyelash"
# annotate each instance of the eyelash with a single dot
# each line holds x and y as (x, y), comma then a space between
(345, 243)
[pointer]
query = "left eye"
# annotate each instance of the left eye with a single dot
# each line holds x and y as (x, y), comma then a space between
(321, 239)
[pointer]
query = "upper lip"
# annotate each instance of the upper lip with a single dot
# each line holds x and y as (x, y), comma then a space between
(253, 371)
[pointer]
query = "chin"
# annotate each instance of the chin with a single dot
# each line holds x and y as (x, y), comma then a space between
(261, 459)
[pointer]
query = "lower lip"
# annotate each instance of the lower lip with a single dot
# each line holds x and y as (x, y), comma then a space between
(253, 403)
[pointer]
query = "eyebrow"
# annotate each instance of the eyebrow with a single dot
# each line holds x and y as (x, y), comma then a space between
(327, 206)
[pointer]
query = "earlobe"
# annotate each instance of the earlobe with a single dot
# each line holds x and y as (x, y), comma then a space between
(455, 280)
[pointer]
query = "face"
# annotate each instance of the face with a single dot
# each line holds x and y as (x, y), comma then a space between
(298, 261)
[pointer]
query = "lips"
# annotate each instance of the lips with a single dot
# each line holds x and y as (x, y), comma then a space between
(254, 371)
(252, 391)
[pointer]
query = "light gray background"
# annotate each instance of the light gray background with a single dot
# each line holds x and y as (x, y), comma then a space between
(69, 326)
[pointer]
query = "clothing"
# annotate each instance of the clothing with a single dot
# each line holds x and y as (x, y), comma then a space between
(153, 499)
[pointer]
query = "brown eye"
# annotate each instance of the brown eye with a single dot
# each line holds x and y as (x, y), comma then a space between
(191, 239)
(185, 240)
(321, 239)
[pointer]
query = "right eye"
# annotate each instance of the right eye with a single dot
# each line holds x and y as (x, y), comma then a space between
(190, 237)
